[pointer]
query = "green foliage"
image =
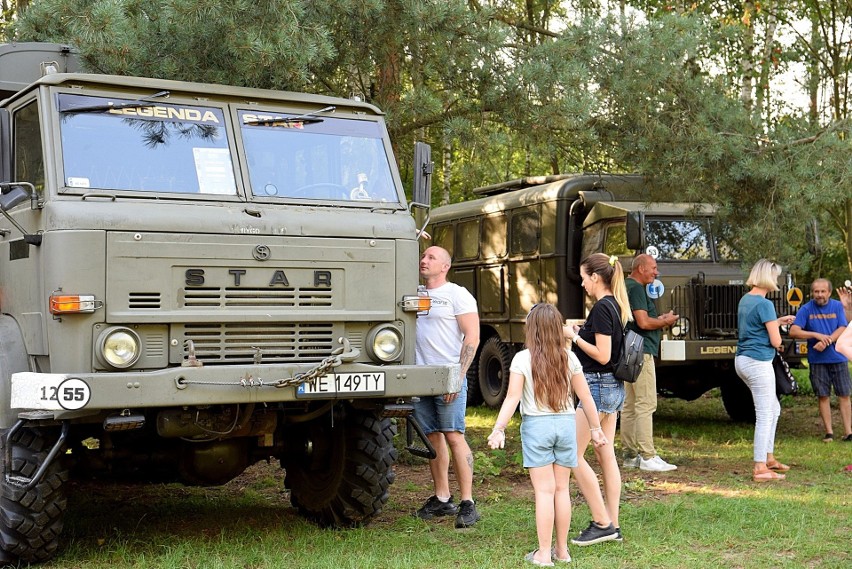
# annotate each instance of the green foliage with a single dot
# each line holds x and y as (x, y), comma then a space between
(506, 89)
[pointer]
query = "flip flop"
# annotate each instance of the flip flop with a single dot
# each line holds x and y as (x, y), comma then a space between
(777, 466)
(767, 476)
(530, 558)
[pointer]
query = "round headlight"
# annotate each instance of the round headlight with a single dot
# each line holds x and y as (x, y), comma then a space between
(119, 347)
(385, 344)
(680, 328)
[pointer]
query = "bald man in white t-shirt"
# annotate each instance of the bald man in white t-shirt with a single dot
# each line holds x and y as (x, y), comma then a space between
(449, 334)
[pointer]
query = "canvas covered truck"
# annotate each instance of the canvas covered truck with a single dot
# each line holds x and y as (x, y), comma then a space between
(194, 278)
(522, 243)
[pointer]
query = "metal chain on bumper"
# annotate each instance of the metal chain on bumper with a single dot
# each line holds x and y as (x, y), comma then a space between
(342, 354)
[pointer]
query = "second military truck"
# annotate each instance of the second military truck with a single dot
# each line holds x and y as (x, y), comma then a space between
(522, 243)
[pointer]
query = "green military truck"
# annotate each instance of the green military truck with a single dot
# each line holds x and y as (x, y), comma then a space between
(522, 243)
(194, 278)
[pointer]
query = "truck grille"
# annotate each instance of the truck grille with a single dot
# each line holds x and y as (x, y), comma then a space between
(255, 297)
(712, 309)
(236, 343)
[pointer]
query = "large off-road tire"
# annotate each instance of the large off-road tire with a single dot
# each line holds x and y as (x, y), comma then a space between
(31, 521)
(494, 361)
(474, 394)
(343, 469)
(736, 397)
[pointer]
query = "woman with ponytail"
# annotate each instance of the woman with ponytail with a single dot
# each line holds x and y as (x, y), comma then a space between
(546, 379)
(597, 344)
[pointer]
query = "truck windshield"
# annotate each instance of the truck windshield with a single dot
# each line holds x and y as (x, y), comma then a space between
(679, 239)
(331, 159)
(120, 144)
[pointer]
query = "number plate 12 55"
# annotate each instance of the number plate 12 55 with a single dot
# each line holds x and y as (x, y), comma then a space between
(368, 383)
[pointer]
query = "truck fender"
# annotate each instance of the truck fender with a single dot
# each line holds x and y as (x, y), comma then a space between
(13, 359)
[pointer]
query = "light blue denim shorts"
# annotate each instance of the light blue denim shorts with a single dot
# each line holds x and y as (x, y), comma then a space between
(549, 439)
(435, 415)
(607, 392)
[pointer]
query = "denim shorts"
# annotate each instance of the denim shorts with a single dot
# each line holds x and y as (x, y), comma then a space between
(549, 439)
(435, 415)
(607, 392)
(826, 376)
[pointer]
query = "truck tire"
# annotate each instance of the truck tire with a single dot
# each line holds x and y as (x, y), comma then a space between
(736, 397)
(474, 394)
(494, 361)
(342, 474)
(31, 521)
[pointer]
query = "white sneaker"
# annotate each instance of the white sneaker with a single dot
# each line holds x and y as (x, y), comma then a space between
(655, 464)
(632, 462)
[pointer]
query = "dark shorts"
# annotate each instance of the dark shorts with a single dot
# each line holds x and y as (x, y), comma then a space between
(826, 376)
(607, 392)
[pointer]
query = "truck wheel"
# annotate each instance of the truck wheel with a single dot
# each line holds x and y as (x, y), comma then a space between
(736, 397)
(474, 394)
(494, 362)
(31, 521)
(341, 475)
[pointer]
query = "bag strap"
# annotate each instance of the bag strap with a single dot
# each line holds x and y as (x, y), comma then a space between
(614, 356)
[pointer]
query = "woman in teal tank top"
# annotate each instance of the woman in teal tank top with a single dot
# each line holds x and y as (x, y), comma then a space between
(759, 338)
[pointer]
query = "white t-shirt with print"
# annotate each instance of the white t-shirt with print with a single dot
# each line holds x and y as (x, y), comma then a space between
(522, 364)
(439, 338)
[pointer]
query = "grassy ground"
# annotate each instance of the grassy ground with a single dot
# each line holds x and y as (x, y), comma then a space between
(707, 514)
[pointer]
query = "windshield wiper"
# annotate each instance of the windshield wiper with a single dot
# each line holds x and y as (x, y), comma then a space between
(135, 104)
(307, 118)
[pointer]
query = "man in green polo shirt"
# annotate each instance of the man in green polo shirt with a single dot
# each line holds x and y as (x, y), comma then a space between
(637, 426)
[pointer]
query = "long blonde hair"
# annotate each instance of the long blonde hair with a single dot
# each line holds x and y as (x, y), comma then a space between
(609, 269)
(548, 358)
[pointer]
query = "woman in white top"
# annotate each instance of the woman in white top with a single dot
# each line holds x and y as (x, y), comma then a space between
(544, 378)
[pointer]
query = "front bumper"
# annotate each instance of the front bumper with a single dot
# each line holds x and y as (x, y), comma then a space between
(76, 394)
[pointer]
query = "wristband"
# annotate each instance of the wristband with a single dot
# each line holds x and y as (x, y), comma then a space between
(596, 429)
(576, 338)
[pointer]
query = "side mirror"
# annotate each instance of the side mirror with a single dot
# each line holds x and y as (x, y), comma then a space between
(636, 230)
(423, 166)
(13, 197)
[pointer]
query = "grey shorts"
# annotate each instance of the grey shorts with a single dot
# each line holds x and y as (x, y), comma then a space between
(435, 415)
(826, 376)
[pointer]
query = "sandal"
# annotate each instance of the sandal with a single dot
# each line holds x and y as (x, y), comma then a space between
(530, 558)
(767, 476)
(777, 466)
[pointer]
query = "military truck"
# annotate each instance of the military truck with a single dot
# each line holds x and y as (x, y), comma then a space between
(194, 278)
(522, 243)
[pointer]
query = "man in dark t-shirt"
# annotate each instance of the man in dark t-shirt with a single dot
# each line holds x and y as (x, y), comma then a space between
(637, 427)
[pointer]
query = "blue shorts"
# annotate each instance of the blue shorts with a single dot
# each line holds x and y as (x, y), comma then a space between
(549, 439)
(607, 392)
(826, 376)
(434, 415)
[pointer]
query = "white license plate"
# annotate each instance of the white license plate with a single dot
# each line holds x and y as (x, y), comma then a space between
(367, 383)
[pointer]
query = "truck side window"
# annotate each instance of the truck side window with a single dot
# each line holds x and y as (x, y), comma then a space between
(29, 160)
(615, 242)
(526, 229)
(467, 238)
(443, 237)
(494, 236)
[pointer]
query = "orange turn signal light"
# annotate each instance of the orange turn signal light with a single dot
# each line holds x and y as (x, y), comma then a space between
(73, 303)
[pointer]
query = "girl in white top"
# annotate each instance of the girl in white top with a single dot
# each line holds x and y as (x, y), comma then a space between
(544, 379)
